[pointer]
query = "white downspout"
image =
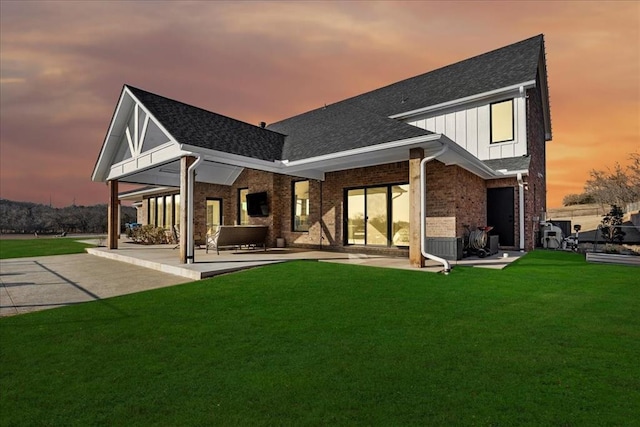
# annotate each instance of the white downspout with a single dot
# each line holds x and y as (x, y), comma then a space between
(521, 210)
(191, 177)
(423, 212)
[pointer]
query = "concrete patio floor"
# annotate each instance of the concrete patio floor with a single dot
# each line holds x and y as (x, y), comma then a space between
(40, 283)
(165, 259)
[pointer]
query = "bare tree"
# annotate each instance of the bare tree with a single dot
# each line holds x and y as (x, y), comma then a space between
(25, 217)
(615, 187)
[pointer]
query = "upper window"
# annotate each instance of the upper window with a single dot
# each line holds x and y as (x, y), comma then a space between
(502, 121)
(243, 213)
(300, 214)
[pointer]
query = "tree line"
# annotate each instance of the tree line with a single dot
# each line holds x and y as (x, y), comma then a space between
(618, 186)
(28, 218)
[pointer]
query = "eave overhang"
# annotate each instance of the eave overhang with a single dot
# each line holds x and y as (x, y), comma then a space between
(391, 152)
(224, 168)
(456, 103)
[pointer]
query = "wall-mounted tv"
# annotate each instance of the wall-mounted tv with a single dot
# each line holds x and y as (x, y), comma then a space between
(257, 204)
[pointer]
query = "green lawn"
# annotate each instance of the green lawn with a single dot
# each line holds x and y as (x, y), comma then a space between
(550, 340)
(20, 248)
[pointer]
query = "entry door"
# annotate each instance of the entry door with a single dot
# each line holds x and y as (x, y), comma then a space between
(500, 214)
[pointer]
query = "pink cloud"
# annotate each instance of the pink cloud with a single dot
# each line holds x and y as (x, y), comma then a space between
(64, 64)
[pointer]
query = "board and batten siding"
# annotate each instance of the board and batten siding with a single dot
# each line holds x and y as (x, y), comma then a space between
(470, 128)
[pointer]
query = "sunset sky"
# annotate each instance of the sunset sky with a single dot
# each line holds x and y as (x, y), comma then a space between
(63, 64)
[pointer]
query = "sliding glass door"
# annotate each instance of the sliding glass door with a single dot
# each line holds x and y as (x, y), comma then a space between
(377, 215)
(356, 217)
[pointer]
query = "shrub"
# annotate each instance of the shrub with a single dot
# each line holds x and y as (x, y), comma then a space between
(609, 227)
(149, 235)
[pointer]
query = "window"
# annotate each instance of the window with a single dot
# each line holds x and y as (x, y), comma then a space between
(243, 213)
(502, 121)
(214, 215)
(378, 215)
(164, 211)
(168, 215)
(300, 215)
(400, 215)
(160, 212)
(152, 211)
(176, 206)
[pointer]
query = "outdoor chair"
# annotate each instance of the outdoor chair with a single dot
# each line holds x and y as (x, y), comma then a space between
(176, 236)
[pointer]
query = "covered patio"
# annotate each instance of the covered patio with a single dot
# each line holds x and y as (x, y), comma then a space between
(159, 142)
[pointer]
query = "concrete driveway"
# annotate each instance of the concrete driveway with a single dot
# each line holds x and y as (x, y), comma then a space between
(39, 283)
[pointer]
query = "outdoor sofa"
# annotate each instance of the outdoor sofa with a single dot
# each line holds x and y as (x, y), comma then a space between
(237, 235)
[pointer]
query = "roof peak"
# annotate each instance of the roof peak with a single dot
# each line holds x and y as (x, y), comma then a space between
(137, 89)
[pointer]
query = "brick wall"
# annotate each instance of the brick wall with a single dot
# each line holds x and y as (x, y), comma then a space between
(536, 195)
(470, 200)
(455, 198)
(201, 192)
(256, 182)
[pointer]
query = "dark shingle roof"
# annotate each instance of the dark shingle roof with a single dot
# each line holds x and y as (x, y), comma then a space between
(339, 127)
(510, 163)
(507, 66)
(201, 128)
(355, 122)
(363, 120)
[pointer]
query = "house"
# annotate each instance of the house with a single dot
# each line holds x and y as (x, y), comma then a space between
(461, 146)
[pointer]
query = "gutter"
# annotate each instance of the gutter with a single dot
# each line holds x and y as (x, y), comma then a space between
(423, 211)
(363, 150)
(521, 184)
(191, 177)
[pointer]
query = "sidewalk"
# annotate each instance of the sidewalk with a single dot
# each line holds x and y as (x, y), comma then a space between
(39, 283)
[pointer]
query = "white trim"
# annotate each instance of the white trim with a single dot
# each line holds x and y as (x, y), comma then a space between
(465, 100)
(157, 156)
(94, 176)
(134, 194)
(103, 172)
(144, 133)
(132, 147)
(511, 174)
(136, 140)
(229, 158)
(157, 122)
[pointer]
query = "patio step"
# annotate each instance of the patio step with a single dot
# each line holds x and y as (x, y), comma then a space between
(165, 268)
